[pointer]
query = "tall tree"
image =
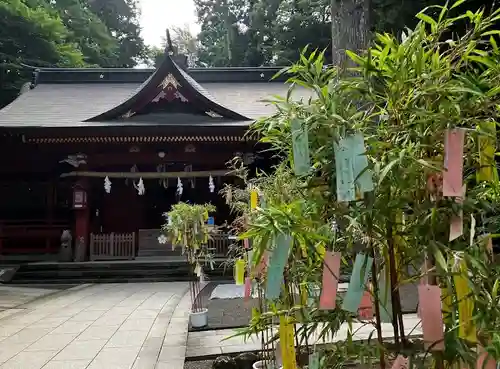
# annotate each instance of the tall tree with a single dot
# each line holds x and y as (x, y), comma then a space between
(260, 32)
(350, 28)
(34, 36)
(223, 37)
(121, 17)
(87, 31)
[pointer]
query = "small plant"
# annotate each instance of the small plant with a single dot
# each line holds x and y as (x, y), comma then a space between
(187, 227)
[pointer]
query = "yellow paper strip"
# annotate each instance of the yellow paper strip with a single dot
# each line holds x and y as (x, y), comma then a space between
(487, 148)
(287, 343)
(239, 272)
(254, 198)
(467, 328)
(303, 295)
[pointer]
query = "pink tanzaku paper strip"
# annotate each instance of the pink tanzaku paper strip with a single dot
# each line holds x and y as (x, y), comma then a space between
(453, 162)
(401, 362)
(331, 274)
(429, 299)
(484, 360)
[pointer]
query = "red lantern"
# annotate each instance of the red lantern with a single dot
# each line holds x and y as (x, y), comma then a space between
(79, 198)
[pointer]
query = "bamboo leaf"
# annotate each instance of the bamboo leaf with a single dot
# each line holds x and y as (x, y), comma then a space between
(355, 57)
(427, 19)
(456, 4)
(386, 170)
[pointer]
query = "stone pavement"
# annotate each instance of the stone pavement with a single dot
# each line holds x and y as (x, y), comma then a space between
(211, 343)
(108, 326)
(12, 298)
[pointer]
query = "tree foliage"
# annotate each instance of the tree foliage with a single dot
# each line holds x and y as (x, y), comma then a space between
(66, 33)
(258, 32)
(272, 32)
(404, 94)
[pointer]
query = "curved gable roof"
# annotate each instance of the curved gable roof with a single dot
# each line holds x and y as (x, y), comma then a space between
(169, 79)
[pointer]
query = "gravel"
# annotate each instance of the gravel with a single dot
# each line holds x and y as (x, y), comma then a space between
(237, 312)
(204, 364)
(225, 313)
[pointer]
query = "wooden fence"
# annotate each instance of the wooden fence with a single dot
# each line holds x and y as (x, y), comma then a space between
(112, 246)
(219, 244)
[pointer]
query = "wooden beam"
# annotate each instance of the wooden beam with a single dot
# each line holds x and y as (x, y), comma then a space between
(150, 175)
(106, 159)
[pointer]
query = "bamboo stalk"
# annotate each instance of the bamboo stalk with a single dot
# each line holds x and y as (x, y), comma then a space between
(376, 302)
(393, 283)
(149, 175)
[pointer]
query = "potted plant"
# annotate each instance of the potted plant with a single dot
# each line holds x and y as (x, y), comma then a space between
(187, 227)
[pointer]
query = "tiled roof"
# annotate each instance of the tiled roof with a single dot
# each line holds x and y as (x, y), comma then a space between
(69, 105)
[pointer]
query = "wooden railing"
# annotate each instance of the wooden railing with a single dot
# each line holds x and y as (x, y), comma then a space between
(31, 236)
(112, 246)
(220, 243)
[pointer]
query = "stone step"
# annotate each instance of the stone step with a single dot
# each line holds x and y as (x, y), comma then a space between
(148, 269)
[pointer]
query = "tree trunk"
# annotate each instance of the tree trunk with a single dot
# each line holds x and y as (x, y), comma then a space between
(350, 29)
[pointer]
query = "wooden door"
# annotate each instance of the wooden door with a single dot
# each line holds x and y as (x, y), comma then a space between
(123, 209)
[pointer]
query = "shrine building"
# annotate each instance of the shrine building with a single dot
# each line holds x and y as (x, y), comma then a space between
(104, 153)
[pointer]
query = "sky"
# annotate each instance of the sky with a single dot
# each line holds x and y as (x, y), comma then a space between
(158, 15)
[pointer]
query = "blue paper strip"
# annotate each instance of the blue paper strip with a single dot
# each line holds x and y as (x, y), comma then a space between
(301, 160)
(362, 176)
(344, 171)
(360, 274)
(276, 266)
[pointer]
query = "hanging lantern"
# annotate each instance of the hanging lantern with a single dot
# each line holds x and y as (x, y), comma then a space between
(107, 185)
(79, 198)
(140, 187)
(179, 187)
(211, 185)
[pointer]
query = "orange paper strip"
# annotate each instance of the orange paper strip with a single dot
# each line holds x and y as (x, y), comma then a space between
(365, 311)
(429, 298)
(401, 362)
(453, 162)
(331, 273)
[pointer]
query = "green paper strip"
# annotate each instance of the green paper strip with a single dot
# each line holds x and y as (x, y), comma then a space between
(384, 297)
(276, 266)
(314, 360)
(360, 274)
(344, 171)
(362, 176)
(300, 142)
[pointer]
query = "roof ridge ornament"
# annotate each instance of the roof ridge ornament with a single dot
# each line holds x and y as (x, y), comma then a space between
(170, 49)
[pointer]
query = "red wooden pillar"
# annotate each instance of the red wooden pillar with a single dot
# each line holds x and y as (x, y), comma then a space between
(82, 219)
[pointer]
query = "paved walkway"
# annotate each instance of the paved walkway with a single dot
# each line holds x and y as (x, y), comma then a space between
(109, 326)
(210, 343)
(12, 298)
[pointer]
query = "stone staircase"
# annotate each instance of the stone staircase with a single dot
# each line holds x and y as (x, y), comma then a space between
(111, 272)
